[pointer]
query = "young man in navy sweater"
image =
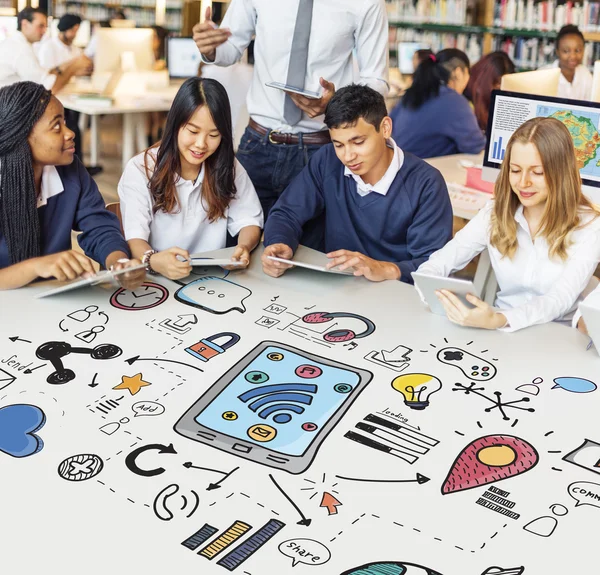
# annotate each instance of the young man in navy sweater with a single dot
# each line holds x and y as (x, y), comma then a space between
(384, 211)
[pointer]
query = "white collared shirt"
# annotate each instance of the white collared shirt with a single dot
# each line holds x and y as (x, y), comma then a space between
(534, 289)
(580, 88)
(54, 52)
(338, 28)
(18, 63)
(51, 185)
(383, 185)
(188, 228)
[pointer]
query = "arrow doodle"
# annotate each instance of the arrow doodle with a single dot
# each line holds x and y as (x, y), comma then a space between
(217, 484)
(420, 479)
(130, 460)
(331, 503)
(17, 338)
(304, 521)
(132, 360)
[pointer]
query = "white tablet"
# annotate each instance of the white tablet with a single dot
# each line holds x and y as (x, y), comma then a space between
(309, 266)
(101, 277)
(200, 260)
(287, 88)
(427, 285)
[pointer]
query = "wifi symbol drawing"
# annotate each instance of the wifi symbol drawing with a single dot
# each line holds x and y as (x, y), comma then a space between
(273, 398)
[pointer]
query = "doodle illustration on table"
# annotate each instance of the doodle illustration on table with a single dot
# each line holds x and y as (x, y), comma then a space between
(497, 402)
(130, 460)
(6, 378)
(391, 568)
(305, 551)
(132, 384)
(473, 367)
(396, 359)
(214, 295)
(147, 296)
(393, 438)
(574, 384)
(266, 321)
(490, 459)
(89, 313)
(500, 571)
(54, 351)
(162, 508)
(532, 388)
(495, 500)
(586, 456)
(80, 467)
(147, 409)
(208, 348)
(18, 426)
(181, 325)
(337, 335)
(275, 406)
(546, 526)
(416, 388)
(585, 493)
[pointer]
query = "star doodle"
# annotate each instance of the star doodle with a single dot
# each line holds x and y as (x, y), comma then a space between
(133, 384)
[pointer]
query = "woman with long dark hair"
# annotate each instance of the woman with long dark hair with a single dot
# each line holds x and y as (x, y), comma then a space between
(183, 195)
(434, 118)
(45, 193)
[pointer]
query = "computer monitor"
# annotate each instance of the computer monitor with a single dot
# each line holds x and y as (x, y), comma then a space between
(8, 25)
(406, 51)
(541, 82)
(508, 110)
(111, 44)
(595, 97)
(183, 57)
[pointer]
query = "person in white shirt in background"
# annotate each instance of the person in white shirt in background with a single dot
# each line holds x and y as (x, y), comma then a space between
(18, 61)
(185, 194)
(308, 44)
(575, 80)
(541, 232)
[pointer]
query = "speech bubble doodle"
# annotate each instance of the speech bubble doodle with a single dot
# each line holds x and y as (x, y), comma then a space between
(147, 408)
(305, 551)
(574, 384)
(585, 493)
(214, 295)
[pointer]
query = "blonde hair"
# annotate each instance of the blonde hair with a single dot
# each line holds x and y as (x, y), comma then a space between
(565, 202)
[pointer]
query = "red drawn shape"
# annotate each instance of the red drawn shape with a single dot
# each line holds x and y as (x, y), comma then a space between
(316, 317)
(308, 371)
(489, 459)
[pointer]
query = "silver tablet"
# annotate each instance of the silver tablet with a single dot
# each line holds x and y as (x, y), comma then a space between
(427, 285)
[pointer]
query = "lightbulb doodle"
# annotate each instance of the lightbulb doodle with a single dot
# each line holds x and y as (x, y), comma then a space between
(489, 459)
(417, 388)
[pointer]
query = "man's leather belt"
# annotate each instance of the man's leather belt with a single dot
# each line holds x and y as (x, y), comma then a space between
(311, 138)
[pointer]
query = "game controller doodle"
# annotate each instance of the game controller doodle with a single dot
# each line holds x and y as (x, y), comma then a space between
(214, 295)
(475, 368)
(18, 424)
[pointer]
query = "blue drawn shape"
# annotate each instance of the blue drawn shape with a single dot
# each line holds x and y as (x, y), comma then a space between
(18, 424)
(575, 384)
(214, 295)
(274, 397)
(391, 568)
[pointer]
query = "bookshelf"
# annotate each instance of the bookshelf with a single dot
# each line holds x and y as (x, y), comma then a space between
(525, 29)
(143, 12)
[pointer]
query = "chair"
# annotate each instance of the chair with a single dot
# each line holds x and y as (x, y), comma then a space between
(115, 208)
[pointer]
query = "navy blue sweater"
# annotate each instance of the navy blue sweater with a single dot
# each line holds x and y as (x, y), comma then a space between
(442, 126)
(408, 224)
(79, 207)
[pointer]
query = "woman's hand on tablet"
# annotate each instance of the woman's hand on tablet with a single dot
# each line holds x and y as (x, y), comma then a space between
(68, 265)
(582, 327)
(482, 315)
(173, 263)
(129, 280)
(373, 270)
(241, 254)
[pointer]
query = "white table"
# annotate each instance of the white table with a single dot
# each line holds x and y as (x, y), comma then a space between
(134, 515)
(133, 109)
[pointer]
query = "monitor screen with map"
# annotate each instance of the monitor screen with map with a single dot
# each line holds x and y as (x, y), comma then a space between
(508, 110)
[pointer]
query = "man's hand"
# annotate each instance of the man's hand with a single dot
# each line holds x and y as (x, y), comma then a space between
(373, 270)
(208, 37)
(84, 66)
(312, 107)
(63, 266)
(169, 265)
(276, 269)
(130, 280)
(482, 315)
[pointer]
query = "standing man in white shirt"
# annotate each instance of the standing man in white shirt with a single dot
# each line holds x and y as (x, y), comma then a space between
(308, 44)
(19, 63)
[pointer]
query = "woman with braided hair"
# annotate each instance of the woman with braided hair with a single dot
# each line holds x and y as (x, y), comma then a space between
(45, 193)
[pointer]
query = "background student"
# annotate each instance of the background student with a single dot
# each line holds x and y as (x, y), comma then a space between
(384, 211)
(45, 194)
(486, 76)
(575, 79)
(304, 43)
(185, 194)
(18, 61)
(433, 118)
(541, 232)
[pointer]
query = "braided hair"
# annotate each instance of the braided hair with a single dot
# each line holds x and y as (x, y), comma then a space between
(21, 107)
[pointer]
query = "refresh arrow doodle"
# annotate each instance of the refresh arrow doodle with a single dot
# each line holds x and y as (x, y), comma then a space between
(130, 460)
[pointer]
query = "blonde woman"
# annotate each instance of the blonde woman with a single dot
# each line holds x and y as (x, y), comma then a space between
(542, 234)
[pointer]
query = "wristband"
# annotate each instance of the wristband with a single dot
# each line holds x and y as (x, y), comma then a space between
(146, 260)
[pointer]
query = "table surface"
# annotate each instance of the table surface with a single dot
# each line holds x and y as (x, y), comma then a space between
(112, 484)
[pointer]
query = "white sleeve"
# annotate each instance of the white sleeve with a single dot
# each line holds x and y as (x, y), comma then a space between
(245, 209)
(240, 18)
(28, 68)
(582, 260)
(136, 203)
(461, 249)
(47, 55)
(371, 45)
